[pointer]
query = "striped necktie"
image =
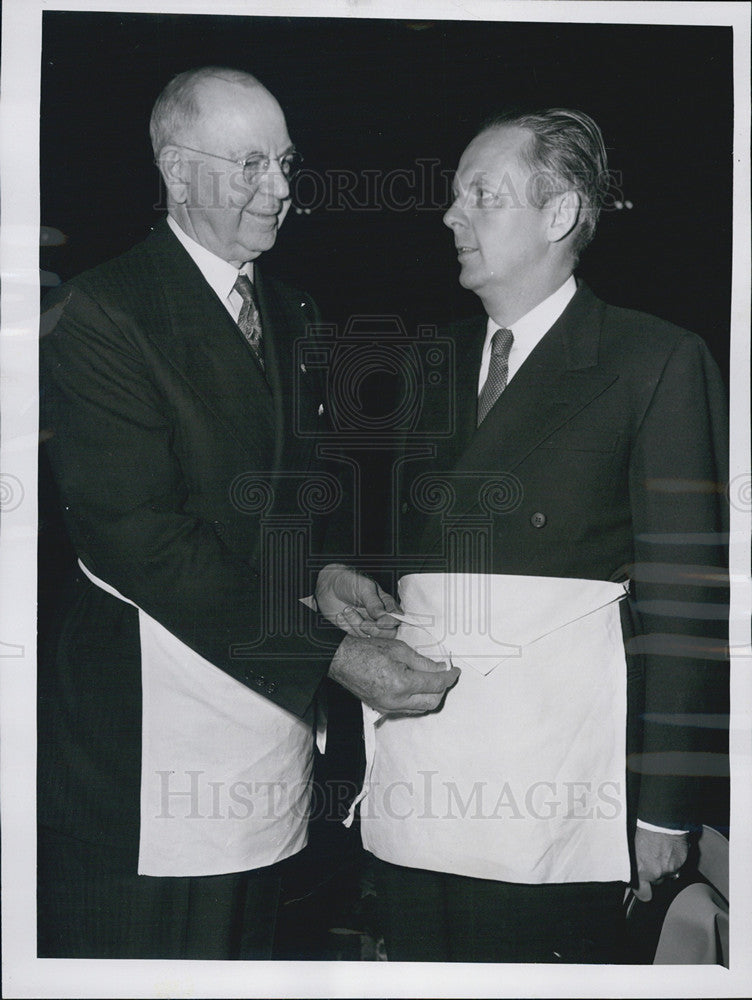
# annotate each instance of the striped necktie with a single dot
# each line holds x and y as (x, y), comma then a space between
(498, 372)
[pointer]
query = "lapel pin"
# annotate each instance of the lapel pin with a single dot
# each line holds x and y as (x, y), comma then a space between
(303, 369)
(321, 409)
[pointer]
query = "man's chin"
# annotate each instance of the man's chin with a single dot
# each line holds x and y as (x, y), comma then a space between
(262, 240)
(467, 279)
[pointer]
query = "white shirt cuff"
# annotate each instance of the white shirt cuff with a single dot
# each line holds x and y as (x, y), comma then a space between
(659, 829)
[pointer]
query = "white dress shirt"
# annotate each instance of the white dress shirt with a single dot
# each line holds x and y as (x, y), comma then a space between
(219, 275)
(528, 330)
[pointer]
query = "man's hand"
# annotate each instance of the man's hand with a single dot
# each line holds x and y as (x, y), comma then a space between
(659, 856)
(355, 603)
(389, 676)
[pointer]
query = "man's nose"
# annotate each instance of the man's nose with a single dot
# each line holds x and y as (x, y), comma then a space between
(274, 182)
(453, 215)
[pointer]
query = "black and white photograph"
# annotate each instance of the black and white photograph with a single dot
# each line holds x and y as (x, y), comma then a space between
(375, 500)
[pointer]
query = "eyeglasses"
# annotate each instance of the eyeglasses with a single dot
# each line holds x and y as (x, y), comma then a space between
(257, 163)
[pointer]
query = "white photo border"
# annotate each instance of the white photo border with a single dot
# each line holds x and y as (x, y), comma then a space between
(24, 975)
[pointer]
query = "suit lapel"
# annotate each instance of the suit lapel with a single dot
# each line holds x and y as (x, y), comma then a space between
(560, 377)
(201, 341)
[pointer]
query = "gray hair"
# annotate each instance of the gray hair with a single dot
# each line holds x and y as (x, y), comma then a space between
(566, 152)
(178, 106)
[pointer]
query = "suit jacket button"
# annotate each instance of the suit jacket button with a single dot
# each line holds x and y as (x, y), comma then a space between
(271, 687)
(538, 519)
(260, 680)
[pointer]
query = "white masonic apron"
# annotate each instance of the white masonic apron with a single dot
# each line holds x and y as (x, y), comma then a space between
(520, 775)
(225, 773)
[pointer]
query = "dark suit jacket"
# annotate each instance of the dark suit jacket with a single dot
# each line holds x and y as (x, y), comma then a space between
(190, 483)
(605, 458)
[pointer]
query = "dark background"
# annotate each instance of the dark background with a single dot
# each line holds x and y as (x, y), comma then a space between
(382, 95)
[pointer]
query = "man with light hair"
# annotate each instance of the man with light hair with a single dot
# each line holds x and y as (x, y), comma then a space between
(177, 715)
(565, 547)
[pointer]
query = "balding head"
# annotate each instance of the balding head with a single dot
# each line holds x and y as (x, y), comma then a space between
(182, 102)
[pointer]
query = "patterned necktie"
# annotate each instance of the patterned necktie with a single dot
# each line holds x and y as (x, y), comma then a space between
(249, 319)
(498, 372)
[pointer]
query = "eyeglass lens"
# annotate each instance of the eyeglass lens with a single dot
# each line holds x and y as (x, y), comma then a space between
(289, 165)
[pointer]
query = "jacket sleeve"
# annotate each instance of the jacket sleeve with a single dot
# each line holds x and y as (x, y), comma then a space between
(125, 502)
(678, 478)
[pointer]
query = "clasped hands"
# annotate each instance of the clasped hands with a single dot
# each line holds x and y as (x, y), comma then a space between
(371, 663)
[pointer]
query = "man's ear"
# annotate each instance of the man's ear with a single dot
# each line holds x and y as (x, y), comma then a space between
(564, 215)
(175, 173)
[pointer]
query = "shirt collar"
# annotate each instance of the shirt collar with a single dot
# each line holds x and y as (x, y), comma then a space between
(220, 275)
(531, 327)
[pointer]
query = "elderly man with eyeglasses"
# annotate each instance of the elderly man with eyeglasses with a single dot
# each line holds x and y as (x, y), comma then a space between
(177, 714)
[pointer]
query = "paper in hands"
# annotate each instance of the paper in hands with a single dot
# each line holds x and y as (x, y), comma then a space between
(355, 603)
